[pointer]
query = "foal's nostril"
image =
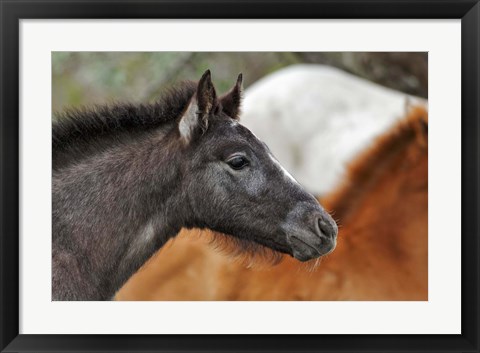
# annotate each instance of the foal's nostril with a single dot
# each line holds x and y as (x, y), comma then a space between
(327, 229)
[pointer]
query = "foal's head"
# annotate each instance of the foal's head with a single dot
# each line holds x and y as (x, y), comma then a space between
(234, 185)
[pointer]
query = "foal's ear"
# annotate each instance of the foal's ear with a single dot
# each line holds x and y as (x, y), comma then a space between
(231, 101)
(202, 104)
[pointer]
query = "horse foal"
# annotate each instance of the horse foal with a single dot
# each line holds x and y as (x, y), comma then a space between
(126, 178)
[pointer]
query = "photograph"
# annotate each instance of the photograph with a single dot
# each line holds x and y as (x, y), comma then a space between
(228, 176)
(239, 176)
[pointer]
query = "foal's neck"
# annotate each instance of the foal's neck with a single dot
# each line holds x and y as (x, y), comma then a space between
(154, 213)
(124, 207)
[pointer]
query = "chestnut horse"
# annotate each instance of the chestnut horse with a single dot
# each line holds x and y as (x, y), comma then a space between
(382, 254)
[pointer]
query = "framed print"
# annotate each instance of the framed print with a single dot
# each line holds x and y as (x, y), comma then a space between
(229, 176)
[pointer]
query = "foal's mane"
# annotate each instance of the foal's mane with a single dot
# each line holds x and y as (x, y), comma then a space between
(363, 173)
(76, 130)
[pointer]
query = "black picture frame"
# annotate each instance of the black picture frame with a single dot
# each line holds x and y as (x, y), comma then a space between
(12, 11)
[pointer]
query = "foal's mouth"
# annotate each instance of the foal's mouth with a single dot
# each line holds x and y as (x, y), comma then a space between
(305, 251)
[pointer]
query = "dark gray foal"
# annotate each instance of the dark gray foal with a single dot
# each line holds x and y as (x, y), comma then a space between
(127, 178)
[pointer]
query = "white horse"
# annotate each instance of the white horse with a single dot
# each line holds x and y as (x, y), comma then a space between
(315, 119)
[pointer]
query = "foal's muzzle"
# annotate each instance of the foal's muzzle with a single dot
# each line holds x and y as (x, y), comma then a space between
(311, 233)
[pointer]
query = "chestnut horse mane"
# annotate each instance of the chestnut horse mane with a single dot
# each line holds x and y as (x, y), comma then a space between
(363, 171)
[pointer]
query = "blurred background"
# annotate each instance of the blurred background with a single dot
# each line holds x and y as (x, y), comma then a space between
(83, 78)
(317, 112)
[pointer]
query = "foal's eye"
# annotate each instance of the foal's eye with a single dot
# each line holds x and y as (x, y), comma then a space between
(238, 162)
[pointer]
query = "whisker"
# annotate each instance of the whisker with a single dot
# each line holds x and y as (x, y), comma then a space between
(249, 253)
